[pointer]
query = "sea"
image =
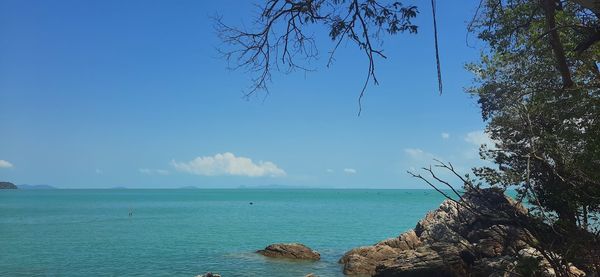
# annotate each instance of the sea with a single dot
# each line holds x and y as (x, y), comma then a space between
(187, 232)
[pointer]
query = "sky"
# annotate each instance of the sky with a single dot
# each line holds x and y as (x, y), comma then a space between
(100, 94)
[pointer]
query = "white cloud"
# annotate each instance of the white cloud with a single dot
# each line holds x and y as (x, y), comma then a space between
(414, 152)
(329, 170)
(228, 164)
(162, 172)
(5, 164)
(148, 171)
(418, 158)
(419, 154)
(350, 170)
(445, 135)
(478, 138)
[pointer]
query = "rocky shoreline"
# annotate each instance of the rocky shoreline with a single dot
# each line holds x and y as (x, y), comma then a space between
(455, 240)
(478, 235)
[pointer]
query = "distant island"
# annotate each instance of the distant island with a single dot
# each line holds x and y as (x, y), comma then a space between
(7, 185)
(188, 187)
(35, 187)
(273, 186)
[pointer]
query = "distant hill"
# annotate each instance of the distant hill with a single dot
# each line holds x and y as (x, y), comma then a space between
(7, 185)
(273, 186)
(188, 187)
(35, 187)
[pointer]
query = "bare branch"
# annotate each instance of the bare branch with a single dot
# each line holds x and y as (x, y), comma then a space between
(418, 176)
(281, 41)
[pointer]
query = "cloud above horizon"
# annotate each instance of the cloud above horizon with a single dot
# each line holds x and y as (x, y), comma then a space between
(445, 135)
(418, 154)
(478, 138)
(228, 164)
(350, 170)
(149, 171)
(5, 164)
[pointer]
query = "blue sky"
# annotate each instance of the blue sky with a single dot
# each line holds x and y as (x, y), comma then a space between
(133, 93)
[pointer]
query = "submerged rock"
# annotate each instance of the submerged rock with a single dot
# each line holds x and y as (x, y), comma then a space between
(290, 251)
(209, 274)
(452, 241)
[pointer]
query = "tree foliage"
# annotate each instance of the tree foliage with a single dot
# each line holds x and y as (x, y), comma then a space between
(546, 122)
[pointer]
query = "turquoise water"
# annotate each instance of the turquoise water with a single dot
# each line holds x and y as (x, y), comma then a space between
(186, 232)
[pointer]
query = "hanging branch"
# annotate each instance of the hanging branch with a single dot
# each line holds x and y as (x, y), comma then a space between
(437, 51)
(281, 39)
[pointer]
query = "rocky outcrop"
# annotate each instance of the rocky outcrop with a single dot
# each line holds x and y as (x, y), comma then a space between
(7, 185)
(477, 236)
(290, 251)
(363, 260)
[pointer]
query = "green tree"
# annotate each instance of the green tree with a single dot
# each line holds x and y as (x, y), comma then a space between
(546, 123)
(546, 132)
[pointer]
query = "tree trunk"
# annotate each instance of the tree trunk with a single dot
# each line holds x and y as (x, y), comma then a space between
(557, 47)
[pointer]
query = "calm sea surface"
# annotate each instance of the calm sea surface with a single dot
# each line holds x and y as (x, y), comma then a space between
(185, 232)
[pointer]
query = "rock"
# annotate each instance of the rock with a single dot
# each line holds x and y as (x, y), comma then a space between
(209, 274)
(7, 185)
(363, 260)
(290, 251)
(405, 241)
(424, 261)
(453, 241)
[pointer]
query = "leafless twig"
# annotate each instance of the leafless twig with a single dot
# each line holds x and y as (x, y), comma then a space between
(281, 40)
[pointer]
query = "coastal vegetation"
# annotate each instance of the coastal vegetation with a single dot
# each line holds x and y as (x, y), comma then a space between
(537, 83)
(538, 88)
